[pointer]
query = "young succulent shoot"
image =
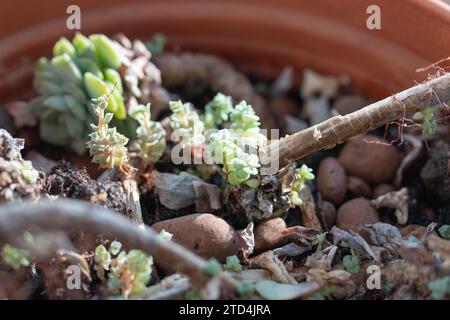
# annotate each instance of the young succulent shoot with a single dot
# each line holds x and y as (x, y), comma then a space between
(156, 44)
(186, 124)
(19, 178)
(233, 264)
(107, 147)
(244, 117)
(235, 148)
(302, 175)
(14, 257)
(217, 110)
(151, 136)
(212, 267)
(239, 166)
(126, 273)
(427, 117)
(245, 288)
(80, 70)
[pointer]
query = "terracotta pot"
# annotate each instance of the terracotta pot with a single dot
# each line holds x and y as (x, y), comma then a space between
(257, 36)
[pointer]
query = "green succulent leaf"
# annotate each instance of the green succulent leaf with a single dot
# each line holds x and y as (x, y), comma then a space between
(217, 110)
(244, 117)
(63, 46)
(106, 51)
(156, 44)
(245, 289)
(302, 174)
(439, 288)
(233, 264)
(78, 71)
(444, 231)
(352, 263)
(14, 257)
(151, 136)
(212, 267)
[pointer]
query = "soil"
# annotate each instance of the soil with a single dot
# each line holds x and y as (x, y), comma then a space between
(67, 181)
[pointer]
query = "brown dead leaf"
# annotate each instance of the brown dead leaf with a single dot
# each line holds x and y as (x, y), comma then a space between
(397, 200)
(270, 262)
(207, 196)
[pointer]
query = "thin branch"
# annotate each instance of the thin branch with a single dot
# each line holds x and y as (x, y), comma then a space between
(74, 214)
(340, 128)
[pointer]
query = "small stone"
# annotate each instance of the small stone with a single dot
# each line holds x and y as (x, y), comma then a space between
(382, 189)
(269, 234)
(205, 234)
(358, 187)
(370, 158)
(355, 213)
(328, 214)
(349, 103)
(332, 180)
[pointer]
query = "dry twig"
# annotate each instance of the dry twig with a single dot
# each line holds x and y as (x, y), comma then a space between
(340, 128)
(69, 214)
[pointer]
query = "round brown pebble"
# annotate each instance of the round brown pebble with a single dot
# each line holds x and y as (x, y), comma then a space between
(349, 103)
(268, 234)
(358, 187)
(332, 180)
(381, 189)
(328, 214)
(355, 213)
(204, 234)
(371, 158)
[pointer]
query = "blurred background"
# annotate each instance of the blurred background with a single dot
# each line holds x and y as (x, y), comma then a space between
(257, 36)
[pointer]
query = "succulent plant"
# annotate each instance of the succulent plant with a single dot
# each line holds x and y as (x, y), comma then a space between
(18, 178)
(302, 174)
(186, 124)
(80, 69)
(151, 136)
(212, 267)
(244, 117)
(235, 148)
(429, 122)
(232, 264)
(224, 149)
(156, 44)
(14, 257)
(106, 145)
(128, 273)
(217, 110)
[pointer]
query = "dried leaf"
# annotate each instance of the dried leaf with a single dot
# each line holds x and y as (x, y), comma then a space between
(291, 250)
(248, 241)
(270, 262)
(207, 197)
(356, 242)
(322, 259)
(397, 200)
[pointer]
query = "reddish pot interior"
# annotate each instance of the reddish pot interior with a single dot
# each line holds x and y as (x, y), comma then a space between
(257, 36)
